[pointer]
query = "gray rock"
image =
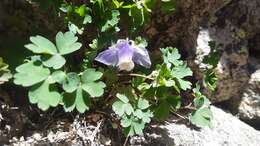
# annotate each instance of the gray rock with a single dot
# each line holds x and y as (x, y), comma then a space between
(249, 107)
(227, 131)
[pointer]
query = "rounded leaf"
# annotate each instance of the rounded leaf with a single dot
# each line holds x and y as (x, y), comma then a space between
(71, 82)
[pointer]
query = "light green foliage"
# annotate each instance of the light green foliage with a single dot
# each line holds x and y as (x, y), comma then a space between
(44, 96)
(91, 84)
(5, 73)
(38, 73)
(30, 73)
(66, 43)
(202, 116)
(81, 88)
(174, 71)
(168, 84)
(71, 82)
(78, 99)
(133, 116)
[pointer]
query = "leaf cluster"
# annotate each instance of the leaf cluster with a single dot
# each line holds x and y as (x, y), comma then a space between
(202, 116)
(5, 73)
(44, 74)
(134, 115)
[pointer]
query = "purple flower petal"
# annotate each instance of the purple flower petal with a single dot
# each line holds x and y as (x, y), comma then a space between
(125, 55)
(141, 56)
(108, 57)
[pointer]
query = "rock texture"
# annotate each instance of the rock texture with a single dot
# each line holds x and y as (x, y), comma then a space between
(227, 131)
(249, 107)
(235, 28)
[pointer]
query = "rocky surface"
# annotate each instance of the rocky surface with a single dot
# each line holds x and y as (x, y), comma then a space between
(227, 131)
(235, 29)
(249, 107)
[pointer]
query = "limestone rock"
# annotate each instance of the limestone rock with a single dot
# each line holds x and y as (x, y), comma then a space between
(227, 131)
(249, 107)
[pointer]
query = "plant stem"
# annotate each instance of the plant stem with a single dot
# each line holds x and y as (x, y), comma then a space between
(126, 141)
(136, 75)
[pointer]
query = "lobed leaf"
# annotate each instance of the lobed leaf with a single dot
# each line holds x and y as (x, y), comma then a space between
(67, 43)
(43, 96)
(29, 74)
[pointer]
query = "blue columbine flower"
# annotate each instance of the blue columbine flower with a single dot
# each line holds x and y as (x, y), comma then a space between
(124, 54)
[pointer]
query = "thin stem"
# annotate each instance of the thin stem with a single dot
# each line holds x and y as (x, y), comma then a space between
(185, 118)
(189, 107)
(126, 141)
(136, 75)
(175, 113)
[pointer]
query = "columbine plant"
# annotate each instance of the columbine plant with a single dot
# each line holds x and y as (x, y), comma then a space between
(56, 77)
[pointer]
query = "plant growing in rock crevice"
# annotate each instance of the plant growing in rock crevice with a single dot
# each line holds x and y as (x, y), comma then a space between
(140, 89)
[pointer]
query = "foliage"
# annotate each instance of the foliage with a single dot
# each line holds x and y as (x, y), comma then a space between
(65, 73)
(202, 116)
(211, 60)
(133, 116)
(44, 74)
(5, 73)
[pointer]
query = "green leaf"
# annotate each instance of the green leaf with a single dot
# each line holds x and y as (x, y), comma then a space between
(87, 19)
(41, 45)
(4, 77)
(138, 113)
(29, 74)
(184, 85)
(58, 76)
(181, 71)
(44, 96)
(121, 108)
(90, 84)
(81, 10)
(196, 90)
(210, 79)
(128, 108)
(138, 127)
(137, 15)
(91, 75)
(71, 82)
(171, 56)
(5, 73)
(201, 101)
(147, 116)
(111, 20)
(162, 111)
(118, 108)
(122, 97)
(75, 29)
(78, 99)
(126, 122)
(143, 104)
(174, 100)
(94, 89)
(67, 43)
(202, 117)
(56, 61)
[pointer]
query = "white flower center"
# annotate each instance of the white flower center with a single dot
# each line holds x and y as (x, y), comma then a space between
(126, 65)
